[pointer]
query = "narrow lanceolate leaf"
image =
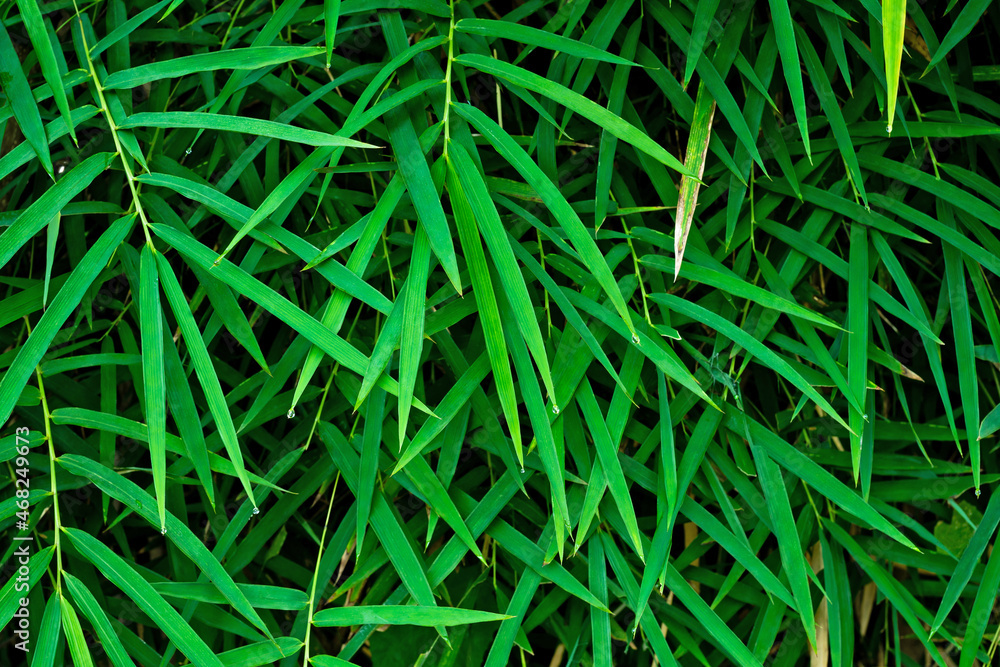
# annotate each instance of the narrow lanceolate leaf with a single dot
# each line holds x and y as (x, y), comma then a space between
(39, 32)
(697, 150)
(423, 191)
(537, 37)
(49, 632)
(51, 238)
(131, 495)
(91, 608)
(893, 31)
(577, 103)
(857, 341)
(489, 314)
(412, 336)
(395, 615)
(991, 423)
(979, 615)
(371, 445)
(961, 323)
(144, 596)
(43, 209)
(608, 455)
(789, 545)
(754, 346)
(153, 374)
(282, 308)
(963, 25)
(331, 14)
(257, 126)
(21, 101)
(781, 17)
(547, 190)
(968, 562)
(65, 302)
(205, 370)
(247, 58)
(74, 634)
(498, 243)
(704, 16)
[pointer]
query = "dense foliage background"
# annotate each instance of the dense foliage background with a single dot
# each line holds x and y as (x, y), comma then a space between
(559, 333)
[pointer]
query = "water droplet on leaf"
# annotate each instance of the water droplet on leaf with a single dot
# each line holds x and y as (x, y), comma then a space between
(888, 128)
(163, 531)
(979, 492)
(635, 338)
(291, 413)
(555, 409)
(187, 152)
(256, 510)
(522, 470)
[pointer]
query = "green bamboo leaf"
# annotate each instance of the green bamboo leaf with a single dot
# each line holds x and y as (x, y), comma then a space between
(239, 59)
(857, 352)
(536, 37)
(385, 520)
(38, 33)
(49, 632)
(242, 124)
(967, 563)
(498, 243)
(258, 596)
(991, 423)
(139, 591)
(704, 16)
(177, 531)
(132, 429)
(331, 14)
(395, 615)
(979, 614)
(697, 149)
(65, 302)
(794, 562)
(577, 103)
(35, 217)
(412, 334)
(330, 661)
(554, 199)
(368, 471)
(13, 590)
(489, 313)
(205, 370)
(609, 462)
(449, 406)
(153, 374)
(817, 477)
(125, 29)
(961, 324)
(424, 193)
(963, 25)
(828, 100)
(281, 307)
(74, 634)
(22, 103)
(893, 30)
(600, 623)
(262, 653)
(90, 607)
(729, 282)
(51, 237)
(386, 343)
(755, 347)
(784, 28)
